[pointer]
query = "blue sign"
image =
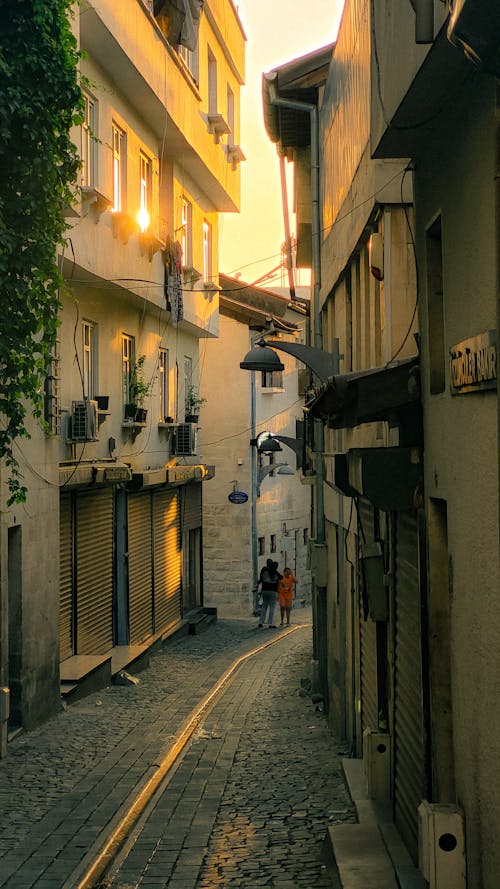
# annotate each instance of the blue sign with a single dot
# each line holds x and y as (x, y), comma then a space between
(238, 497)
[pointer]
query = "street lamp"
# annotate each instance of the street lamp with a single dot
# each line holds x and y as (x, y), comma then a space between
(263, 471)
(262, 357)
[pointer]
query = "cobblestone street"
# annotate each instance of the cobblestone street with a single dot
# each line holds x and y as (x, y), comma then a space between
(248, 805)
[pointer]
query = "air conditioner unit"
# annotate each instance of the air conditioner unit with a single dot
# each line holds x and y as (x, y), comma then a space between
(83, 426)
(377, 764)
(185, 440)
(442, 845)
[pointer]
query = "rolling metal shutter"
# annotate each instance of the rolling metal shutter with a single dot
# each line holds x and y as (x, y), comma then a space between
(191, 506)
(409, 732)
(368, 634)
(65, 577)
(140, 567)
(94, 572)
(167, 558)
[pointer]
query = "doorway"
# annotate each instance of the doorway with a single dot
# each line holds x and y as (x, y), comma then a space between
(15, 603)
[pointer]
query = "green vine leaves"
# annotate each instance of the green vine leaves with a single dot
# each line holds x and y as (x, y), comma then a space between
(40, 101)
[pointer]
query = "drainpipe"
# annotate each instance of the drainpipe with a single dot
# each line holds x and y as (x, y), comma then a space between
(319, 592)
(253, 458)
(497, 227)
(286, 220)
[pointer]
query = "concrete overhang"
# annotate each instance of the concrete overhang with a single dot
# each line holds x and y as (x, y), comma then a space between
(390, 478)
(92, 474)
(390, 393)
(429, 91)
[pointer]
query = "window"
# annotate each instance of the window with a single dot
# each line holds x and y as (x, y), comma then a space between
(186, 233)
(89, 363)
(212, 84)
(190, 58)
(88, 135)
(305, 536)
(52, 393)
(127, 363)
(145, 191)
(272, 379)
(163, 374)
(435, 307)
(119, 169)
(261, 545)
(207, 251)
(188, 383)
(273, 543)
(230, 116)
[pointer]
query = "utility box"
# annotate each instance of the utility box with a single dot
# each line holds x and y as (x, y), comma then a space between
(377, 764)
(441, 836)
(318, 562)
(4, 704)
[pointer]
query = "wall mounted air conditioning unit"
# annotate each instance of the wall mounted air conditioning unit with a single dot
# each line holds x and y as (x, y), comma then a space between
(83, 421)
(441, 836)
(377, 764)
(185, 440)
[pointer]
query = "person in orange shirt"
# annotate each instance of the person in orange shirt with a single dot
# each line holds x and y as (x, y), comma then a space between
(286, 588)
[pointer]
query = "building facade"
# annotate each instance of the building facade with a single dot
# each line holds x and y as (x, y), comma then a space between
(406, 593)
(106, 556)
(274, 519)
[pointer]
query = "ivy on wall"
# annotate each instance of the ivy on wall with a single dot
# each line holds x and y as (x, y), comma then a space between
(40, 100)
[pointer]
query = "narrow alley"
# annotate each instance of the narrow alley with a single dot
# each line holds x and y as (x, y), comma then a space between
(247, 802)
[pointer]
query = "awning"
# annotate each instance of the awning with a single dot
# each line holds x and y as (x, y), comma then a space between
(390, 478)
(390, 393)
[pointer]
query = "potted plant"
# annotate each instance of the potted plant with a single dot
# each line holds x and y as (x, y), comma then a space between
(193, 404)
(138, 389)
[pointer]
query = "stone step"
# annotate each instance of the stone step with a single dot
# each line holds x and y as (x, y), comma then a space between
(360, 856)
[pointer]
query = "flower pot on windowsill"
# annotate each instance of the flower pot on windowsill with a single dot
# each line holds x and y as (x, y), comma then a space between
(141, 415)
(191, 418)
(102, 402)
(169, 420)
(130, 411)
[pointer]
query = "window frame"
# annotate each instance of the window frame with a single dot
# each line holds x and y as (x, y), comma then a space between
(119, 156)
(145, 186)
(89, 359)
(128, 355)
(163, 373)
(207, 251)
(186, 232)
(88, 135)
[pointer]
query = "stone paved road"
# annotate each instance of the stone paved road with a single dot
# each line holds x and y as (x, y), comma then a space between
(61, 785)
(251, 801)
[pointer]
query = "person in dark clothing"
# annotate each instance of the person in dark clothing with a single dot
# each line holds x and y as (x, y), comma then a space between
(268, 583)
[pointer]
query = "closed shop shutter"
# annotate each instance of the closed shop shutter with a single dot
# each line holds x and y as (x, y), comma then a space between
(94, 572)
(368, 632)
(167, 558)
(191, 506)
(409, 735)
(66, 577)
(140, 567)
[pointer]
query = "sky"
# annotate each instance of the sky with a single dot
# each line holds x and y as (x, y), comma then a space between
(277, 31)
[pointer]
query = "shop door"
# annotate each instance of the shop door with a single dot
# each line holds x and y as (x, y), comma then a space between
(167, 558)
(66, 560)
(368, 631)
(140, 566)
(94, 572)
(410, 783)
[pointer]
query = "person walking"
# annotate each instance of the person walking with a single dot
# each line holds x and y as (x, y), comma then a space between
(268, 582)
(286, 588)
